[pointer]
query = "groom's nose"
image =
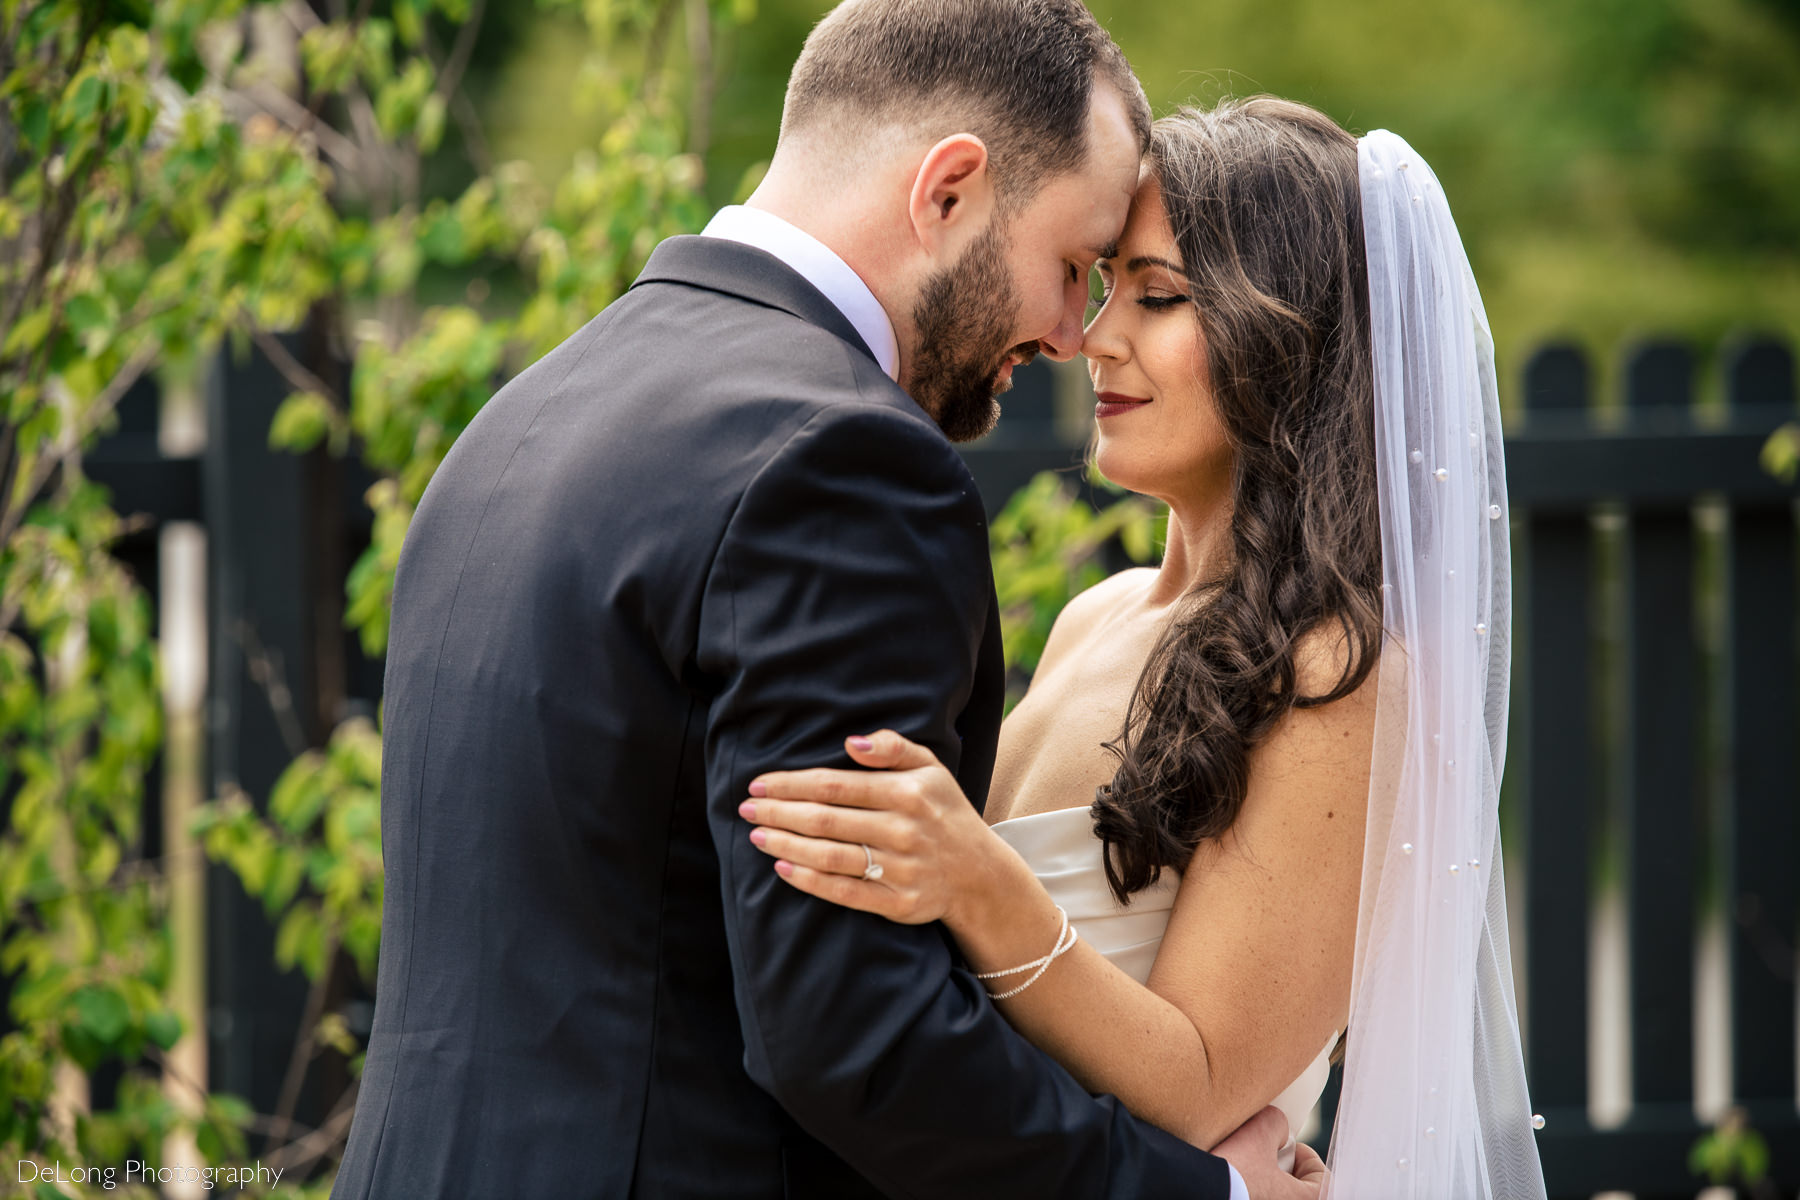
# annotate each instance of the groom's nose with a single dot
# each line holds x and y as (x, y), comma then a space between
(1064, 342)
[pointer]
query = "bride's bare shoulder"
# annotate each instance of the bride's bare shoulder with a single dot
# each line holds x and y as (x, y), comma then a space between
(1321, 657)
(1087, 610)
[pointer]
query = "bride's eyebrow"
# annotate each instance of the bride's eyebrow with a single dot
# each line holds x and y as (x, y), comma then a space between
(1147, 260)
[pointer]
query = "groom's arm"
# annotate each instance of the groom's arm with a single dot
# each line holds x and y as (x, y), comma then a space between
(849, 593)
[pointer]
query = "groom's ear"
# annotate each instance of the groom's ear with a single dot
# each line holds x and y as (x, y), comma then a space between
(952, 196)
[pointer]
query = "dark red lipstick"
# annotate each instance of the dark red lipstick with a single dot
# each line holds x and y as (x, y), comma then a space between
(1113, 403)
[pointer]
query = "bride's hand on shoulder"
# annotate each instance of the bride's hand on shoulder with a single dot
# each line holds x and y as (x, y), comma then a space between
(928, 850)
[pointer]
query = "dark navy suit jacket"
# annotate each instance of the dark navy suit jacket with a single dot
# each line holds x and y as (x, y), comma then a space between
(704, 538)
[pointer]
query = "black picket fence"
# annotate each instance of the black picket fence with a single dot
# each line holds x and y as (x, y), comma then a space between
(1654, 736)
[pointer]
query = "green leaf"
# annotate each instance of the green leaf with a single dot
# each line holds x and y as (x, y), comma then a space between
(34, 123)
(409, 21)
(164, 1028)
(1781, 453)
(90, 94)
(210, 1143)
(187, 69)
(430, 129)
(300, 938)
(442, 239)
(102, 1013)
(29, 333)
(253, 858)
(329, 53)
(375, 52)
(1753, 1157)
(87, 312)
(287, 870)
(302, 421)
(398, 103)
(299, 795)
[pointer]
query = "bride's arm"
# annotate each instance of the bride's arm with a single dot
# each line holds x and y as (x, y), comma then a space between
(1253, 974)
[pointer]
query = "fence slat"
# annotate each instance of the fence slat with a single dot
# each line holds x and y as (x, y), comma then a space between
(1662, 830)
(1557, 794)
(257, 564)
(1764, 841)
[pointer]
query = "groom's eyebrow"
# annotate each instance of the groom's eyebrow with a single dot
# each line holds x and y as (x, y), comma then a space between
(1105, 253)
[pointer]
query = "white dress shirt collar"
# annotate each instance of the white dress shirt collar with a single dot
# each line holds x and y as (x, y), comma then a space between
(820, 266)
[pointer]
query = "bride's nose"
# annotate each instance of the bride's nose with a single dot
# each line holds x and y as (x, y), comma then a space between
(1102, 339)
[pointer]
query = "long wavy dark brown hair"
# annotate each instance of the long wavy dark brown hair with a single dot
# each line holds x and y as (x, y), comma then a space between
(1263, 198)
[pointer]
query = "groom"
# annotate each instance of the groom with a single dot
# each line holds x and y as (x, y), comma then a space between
(713, 533)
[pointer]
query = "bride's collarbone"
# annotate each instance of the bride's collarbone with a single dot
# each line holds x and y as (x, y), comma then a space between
(1119, 626)
(1052, 747)
(1115, 646)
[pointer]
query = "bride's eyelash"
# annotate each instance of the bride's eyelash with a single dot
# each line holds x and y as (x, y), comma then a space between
(1158, 303)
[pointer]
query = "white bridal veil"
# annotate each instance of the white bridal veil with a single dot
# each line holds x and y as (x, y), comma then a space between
(1434, 1105)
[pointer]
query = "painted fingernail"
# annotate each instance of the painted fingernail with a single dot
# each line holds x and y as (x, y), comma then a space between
(862, 743)
(747, 811)
(784, 869)
(758, 837)
(759, 788)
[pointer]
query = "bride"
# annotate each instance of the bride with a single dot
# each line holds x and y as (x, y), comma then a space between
(1244, 821)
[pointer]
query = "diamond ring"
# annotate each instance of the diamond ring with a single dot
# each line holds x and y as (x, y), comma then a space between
(873, 870)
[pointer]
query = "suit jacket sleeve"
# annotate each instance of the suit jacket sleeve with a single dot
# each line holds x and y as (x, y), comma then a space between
(850, 592)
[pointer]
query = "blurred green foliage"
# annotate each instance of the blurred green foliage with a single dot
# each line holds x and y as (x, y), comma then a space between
(184, 174)
(1731, 1154)
(1048, 544)
(137, 226)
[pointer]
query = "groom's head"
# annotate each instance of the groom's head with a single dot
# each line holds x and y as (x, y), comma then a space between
(970, 159)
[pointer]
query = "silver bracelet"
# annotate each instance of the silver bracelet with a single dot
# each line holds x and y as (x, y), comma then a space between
(1065, 940)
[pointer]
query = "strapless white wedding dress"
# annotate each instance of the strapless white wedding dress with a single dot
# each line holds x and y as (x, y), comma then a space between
(1063, 851)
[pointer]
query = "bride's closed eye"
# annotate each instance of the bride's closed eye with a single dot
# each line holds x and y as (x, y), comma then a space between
(1100, 290)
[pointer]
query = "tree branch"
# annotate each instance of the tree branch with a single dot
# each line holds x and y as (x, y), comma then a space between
(102, 406)
(474, 138)
(257, 1122)
(449, 76)
(298, 119)
(264, 668)
(316, 1145)
(305, 1049)
(453, 70)
(292, 369)
(49, 243)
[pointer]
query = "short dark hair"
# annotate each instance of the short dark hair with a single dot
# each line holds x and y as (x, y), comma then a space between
(1019, 74)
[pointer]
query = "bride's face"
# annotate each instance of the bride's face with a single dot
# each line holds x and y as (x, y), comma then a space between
(1159, 431)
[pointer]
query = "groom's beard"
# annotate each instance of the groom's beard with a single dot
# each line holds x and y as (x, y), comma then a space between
(964, 316)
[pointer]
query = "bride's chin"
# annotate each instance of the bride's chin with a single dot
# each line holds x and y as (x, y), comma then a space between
(1118, 468)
